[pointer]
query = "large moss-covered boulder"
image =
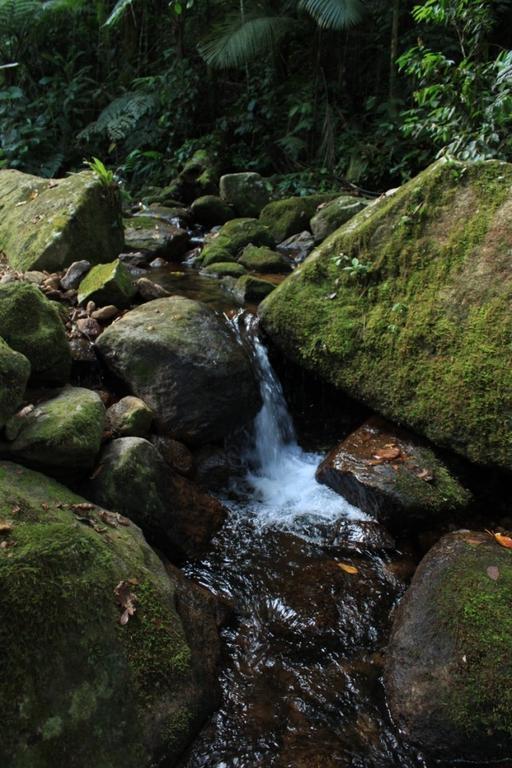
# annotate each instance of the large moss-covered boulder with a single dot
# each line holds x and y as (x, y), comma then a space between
(136, 481)
(59, 434)
(232, 239)
(183, 360)
(32, 325)
(107, 284)
(102, 666)
(211, 210)
(198, 177)
(290, 216)
(14, 376)
(49, 223)
(333, 215)
(449, 660)
(263, 259)
(407, 308)
(152, 235)
(247, 192)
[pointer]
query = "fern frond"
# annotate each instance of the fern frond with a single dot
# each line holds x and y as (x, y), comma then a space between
(121, 116)
(239, 40)
(16, 16)
(118, 12)
(334, 14)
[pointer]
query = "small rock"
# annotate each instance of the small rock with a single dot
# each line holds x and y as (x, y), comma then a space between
(148, 290)
(252, 290)
(107, 284)
(158, 263)
(35, 277)
(297, 247)
(89, 327)
(74, 274)
(130, 417)
(105, 314)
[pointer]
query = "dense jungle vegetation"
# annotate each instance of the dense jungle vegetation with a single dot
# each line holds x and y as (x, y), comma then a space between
(317, 92)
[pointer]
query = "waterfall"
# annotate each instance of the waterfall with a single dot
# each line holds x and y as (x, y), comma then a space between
(280, 475)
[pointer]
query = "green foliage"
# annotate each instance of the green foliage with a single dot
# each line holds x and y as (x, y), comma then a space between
(106, 176)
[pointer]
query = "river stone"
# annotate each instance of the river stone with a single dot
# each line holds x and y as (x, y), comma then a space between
(183, 360)
(224, 269)
(211, 210)
(449, 660)
(417, 326)
(390, 474)
(290, 216)
(247, 192)
(263, 259)
(298, 247)
(74, 274)
(252, 290)
(49, 223)
(144, 233)
(14, 376)
(32, 325)
(178, 216)
(107, 284)
(334, 214)
(135, 481)
(148, 290)
(129, 417)
(79, 687)
(199, 176)
(232, 239)
(62, 433)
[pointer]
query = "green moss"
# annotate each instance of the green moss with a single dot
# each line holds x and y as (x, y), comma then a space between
(335, 214)
(290, 216)
(232, 239)
(251, 289)
(216, 253)
(32, 325)
(211, 210)
(225, 269)
(14, 375)
(107, 284)
(263, 260)
(413, 333)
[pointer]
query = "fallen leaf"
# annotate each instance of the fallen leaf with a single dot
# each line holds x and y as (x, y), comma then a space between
(493, 572)
(5, 528)
(425, 474)
(388, 453)
(84, 506)
(474, 542)
(126, 599)
(503, 541)
(348, 568)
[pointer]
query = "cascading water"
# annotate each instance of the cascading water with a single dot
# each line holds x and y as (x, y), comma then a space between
(281, 476)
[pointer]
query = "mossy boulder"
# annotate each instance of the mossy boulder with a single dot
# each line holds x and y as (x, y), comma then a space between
(333, 215)
(130, 417)
(152, 235)
(252, 290)
(390, 474)
(292, 215)
(14, 376)
(183, 360)
(407, 308)
(449, 661)
(211, 210)
(263, 259)
(49, 223)
(232, 239)
(107, 284)
(199, 177)
(33, 326)
(224, 269)
(136, 481)
(59, 434)
(80, 688)
(247, 192)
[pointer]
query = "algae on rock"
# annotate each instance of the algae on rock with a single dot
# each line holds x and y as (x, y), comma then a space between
(50, 223)
(407, 308)
(107, 284)
(14, 375)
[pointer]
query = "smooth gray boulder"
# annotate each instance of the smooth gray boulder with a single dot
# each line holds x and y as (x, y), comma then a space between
(248, 192)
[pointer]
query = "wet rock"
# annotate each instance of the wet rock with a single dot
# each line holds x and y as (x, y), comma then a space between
(107, 284)
(248, 192)
(175, 454)
(134, 480)
(263, 259)
(74, 274)
(32, 325)
(137, 259)
(333, 215)
(185, 363)
(288, 217)
(448, 663)
(148, 290)
(357, 537)
(49, 223)
(14, 376)
(214, 467)
(158, 263)
(105, 314)
(178, 216)
(129, 417)
(89, 327)
(232, 239)
(211, 210)
(224, 269)
(82, 351)
(252, 290)
(298, 247)
(62, 433)
(391, 475)
(118, 646)
(144, 233)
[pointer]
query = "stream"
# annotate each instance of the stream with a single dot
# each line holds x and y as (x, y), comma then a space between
(312, 582)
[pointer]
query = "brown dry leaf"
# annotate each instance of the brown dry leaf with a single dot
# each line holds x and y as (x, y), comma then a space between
(83, 507)
(425, 474)
(389, 453)
(15, 510)
(474, 542)
(493, 572)
(5, 528)
(348, 568)
(503, 541)
(110, 518)
(126, 599)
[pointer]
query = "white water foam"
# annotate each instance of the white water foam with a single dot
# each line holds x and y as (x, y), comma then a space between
(281, 475)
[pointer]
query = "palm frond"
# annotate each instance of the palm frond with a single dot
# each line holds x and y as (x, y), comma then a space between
(118, 12)
(18, 15)
(239, 40)
(334, 14)
(121, 117)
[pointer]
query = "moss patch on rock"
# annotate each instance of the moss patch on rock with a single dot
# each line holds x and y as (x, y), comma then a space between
(406, 308)
(14, 375)
(290, 216)
(107, 284)
(333, 215)
(224, 269)
(32, 325)
(263, 259)
(232, 239)
(252, 290)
